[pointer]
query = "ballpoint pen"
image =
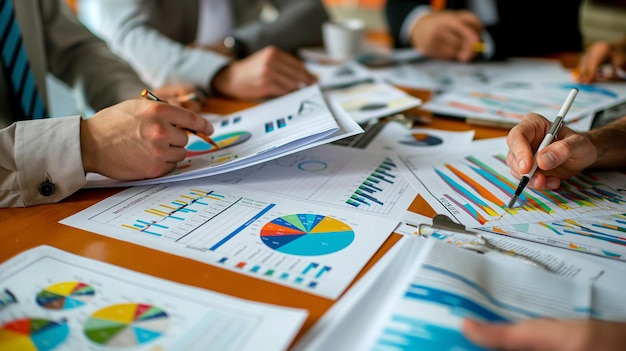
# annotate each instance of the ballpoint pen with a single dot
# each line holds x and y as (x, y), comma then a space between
(554, 129)
(150, 96)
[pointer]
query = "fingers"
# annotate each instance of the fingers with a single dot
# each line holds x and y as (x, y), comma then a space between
(285, 72)
(468, 28)
(267, 73)
(137, 139)
(597, 54)
(523, 139)
(192, 123)
(539, 334)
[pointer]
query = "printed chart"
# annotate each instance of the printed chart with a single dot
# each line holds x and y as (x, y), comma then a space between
(275, 128)
(307, 234)
(293, 243)
(502, 92)
(223, 141)
(126, 324)
(127, 310)
(452, 284)
(475, 186)
(333, 175)
(395, 137)
(32, 334)
(65, 295)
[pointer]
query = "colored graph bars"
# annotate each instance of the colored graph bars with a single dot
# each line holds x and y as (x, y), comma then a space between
(159, 219)
(277, 124)
(368, 193)
(306, 273)
(479, 186)
(603, 235)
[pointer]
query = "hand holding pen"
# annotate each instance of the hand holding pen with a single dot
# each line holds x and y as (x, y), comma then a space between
(150, 96)
(528, 133)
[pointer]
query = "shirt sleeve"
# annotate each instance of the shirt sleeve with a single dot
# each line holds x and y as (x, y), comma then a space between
(39, 151)
(127, 27)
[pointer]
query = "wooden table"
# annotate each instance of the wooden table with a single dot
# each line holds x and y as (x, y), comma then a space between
(25, 228)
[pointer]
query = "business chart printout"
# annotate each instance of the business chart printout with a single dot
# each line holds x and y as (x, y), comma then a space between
(275, 128)
(65, 302)
(451, 284)
(587, 214)
(332, 175)
(301, 245)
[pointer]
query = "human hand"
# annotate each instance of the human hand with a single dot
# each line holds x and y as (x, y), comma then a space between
(590, 68)
(447, 35)
(568, 155)
(548, 334)
(178, 95)
(137, 139)
(267, 73)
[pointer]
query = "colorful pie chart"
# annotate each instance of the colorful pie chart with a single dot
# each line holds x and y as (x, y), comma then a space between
(422, 139)
(307, 234)
(199, 146)
(126, 324)
(32, 334)
(65, 295)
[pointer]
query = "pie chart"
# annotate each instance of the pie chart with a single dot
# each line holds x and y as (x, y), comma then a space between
(422, 139)
(199, 147)
(306, 234)
(126, 324)
(65, 295)
(32, 334)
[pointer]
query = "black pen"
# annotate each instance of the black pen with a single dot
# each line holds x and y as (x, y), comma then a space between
(554, 129)
(150, 96)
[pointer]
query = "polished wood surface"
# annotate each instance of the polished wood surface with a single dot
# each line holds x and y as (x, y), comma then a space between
(25, 228)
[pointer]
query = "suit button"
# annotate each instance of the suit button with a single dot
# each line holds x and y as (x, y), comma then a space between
(46, 188)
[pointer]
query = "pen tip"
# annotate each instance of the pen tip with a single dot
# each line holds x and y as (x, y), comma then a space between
(512, 202)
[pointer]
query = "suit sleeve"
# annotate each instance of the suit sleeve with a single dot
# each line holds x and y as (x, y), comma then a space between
(299, 24)
(128, 28)
(396, 12)
(83, 61)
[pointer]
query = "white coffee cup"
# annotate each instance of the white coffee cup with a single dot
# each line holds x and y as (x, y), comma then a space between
(343, 39)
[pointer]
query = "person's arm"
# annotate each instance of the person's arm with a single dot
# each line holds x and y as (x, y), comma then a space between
(610, 141)
(548, 334)
(571, 153)
(136, 139)
(298, 25)
(128, 28)
(82, 61)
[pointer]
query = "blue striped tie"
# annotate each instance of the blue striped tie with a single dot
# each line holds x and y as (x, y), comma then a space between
(19, 77)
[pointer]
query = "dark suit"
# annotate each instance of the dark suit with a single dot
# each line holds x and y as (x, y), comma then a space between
(525, 28)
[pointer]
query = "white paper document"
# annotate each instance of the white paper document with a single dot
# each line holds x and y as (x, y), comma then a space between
(371, 100)
(66, 302)
(298, 244)
(331, 175)
(451, 284)
(424, 292)
(278, 127)
(503, 92)
(418, 141)
(473, 186)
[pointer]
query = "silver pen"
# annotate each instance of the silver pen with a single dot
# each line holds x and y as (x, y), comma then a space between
(554, 129)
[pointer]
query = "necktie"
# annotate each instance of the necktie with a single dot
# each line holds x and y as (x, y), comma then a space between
(20, 80)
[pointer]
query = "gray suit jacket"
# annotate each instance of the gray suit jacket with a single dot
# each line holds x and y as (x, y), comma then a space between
(152, 34)
(56, 42)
